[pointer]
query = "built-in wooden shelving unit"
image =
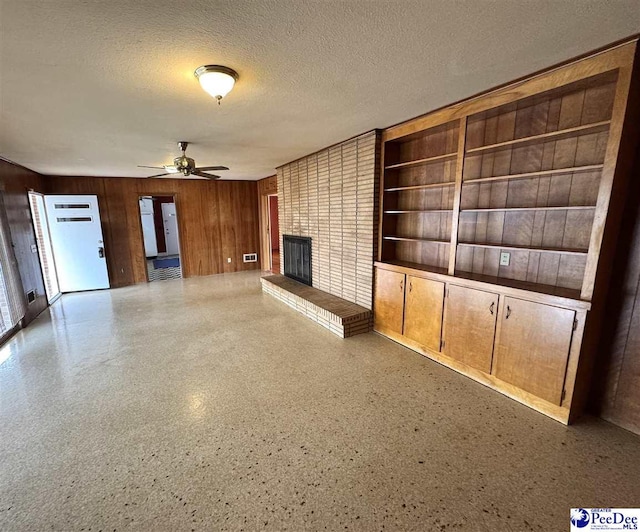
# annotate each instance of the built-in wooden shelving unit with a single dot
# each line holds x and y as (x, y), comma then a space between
(523, 209)
(523, 180)
(419, 212)
(419, 187)
(493, 216)
(540, 173)
(409, 239)
(419, 162)
(526, 248)
(543, 137)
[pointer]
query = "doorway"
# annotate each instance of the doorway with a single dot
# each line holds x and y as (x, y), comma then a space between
(160, 236)
(274, 233)
(43, 242)
(77, 243)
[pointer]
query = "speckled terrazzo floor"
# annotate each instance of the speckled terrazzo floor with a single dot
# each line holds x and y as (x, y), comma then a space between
(205, 405)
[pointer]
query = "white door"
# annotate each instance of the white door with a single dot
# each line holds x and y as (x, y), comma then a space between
(148, 227)
(170, 228)
(78, 246)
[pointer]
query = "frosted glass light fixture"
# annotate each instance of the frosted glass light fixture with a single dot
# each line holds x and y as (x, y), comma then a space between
(216, 80)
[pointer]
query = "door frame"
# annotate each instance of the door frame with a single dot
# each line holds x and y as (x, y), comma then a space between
(265, 233)
(266, 187)
(55, 298)
(174, 195)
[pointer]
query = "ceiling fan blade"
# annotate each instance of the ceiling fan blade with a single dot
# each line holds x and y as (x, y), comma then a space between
(158, 175)
(205, 168)
(156, 167)
(202, 174)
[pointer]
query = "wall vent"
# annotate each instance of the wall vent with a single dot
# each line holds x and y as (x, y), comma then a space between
(31, 296)
(250, 257)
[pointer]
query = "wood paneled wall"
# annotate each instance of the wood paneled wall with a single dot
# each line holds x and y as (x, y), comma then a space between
(331, 196)
(216, 219)
(17, 181)
(616, 395)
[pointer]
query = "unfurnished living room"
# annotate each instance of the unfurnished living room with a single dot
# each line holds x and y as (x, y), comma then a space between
(319, 265)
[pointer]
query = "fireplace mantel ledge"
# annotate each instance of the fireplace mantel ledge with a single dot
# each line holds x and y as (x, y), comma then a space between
(340, 316)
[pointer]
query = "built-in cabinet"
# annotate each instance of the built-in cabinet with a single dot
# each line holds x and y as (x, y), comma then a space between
(423, 311)
(497, 220)
(470, 327)
(532, 347)
(409, 306)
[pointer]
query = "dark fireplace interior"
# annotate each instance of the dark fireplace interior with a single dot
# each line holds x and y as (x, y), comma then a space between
(297, 258)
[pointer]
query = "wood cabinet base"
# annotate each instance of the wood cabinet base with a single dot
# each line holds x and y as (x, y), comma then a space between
(559, 413)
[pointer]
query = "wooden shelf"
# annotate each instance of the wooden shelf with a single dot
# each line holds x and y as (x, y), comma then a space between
(553, 135)
(418, 187)
(418, 162)
(420, 211)
(541, 173)
(525, 248)
(415, 266)
(524, 209)
(568, 293)
(407, 239)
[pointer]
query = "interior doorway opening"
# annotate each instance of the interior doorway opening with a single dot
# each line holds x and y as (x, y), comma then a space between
(45, 250)
(160, 235)
(274, 234)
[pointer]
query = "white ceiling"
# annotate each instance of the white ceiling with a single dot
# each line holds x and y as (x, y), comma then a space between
(96, 87)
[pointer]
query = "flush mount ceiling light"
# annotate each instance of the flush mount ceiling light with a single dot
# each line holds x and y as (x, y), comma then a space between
(216, 80)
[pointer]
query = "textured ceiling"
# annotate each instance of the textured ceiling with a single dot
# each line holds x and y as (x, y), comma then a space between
(91, 87)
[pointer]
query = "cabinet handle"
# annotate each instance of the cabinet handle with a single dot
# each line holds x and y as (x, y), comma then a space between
(508, 312)
(410, 286)
(491, 307)
(401, 284)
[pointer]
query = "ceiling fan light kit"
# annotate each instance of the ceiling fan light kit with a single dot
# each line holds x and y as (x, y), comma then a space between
(186, 166)
(217, 80)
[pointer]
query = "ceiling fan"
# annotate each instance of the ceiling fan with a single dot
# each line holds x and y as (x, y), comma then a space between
(186, 166)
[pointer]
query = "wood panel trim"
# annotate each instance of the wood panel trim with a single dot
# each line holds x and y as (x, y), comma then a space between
(457, 195)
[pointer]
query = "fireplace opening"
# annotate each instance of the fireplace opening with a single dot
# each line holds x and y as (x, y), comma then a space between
(297, 258)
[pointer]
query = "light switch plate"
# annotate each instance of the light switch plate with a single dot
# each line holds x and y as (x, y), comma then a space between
(504, 258)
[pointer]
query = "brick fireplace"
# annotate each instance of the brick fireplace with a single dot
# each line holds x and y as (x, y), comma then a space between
(327, 212)
(296, 258)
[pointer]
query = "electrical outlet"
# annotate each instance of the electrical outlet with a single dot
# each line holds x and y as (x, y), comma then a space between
(229, 260)
(504, 258)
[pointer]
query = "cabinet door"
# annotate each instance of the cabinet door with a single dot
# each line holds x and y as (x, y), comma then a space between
(423, 311)
(533, 347)
(470, 326)
(389, 301)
